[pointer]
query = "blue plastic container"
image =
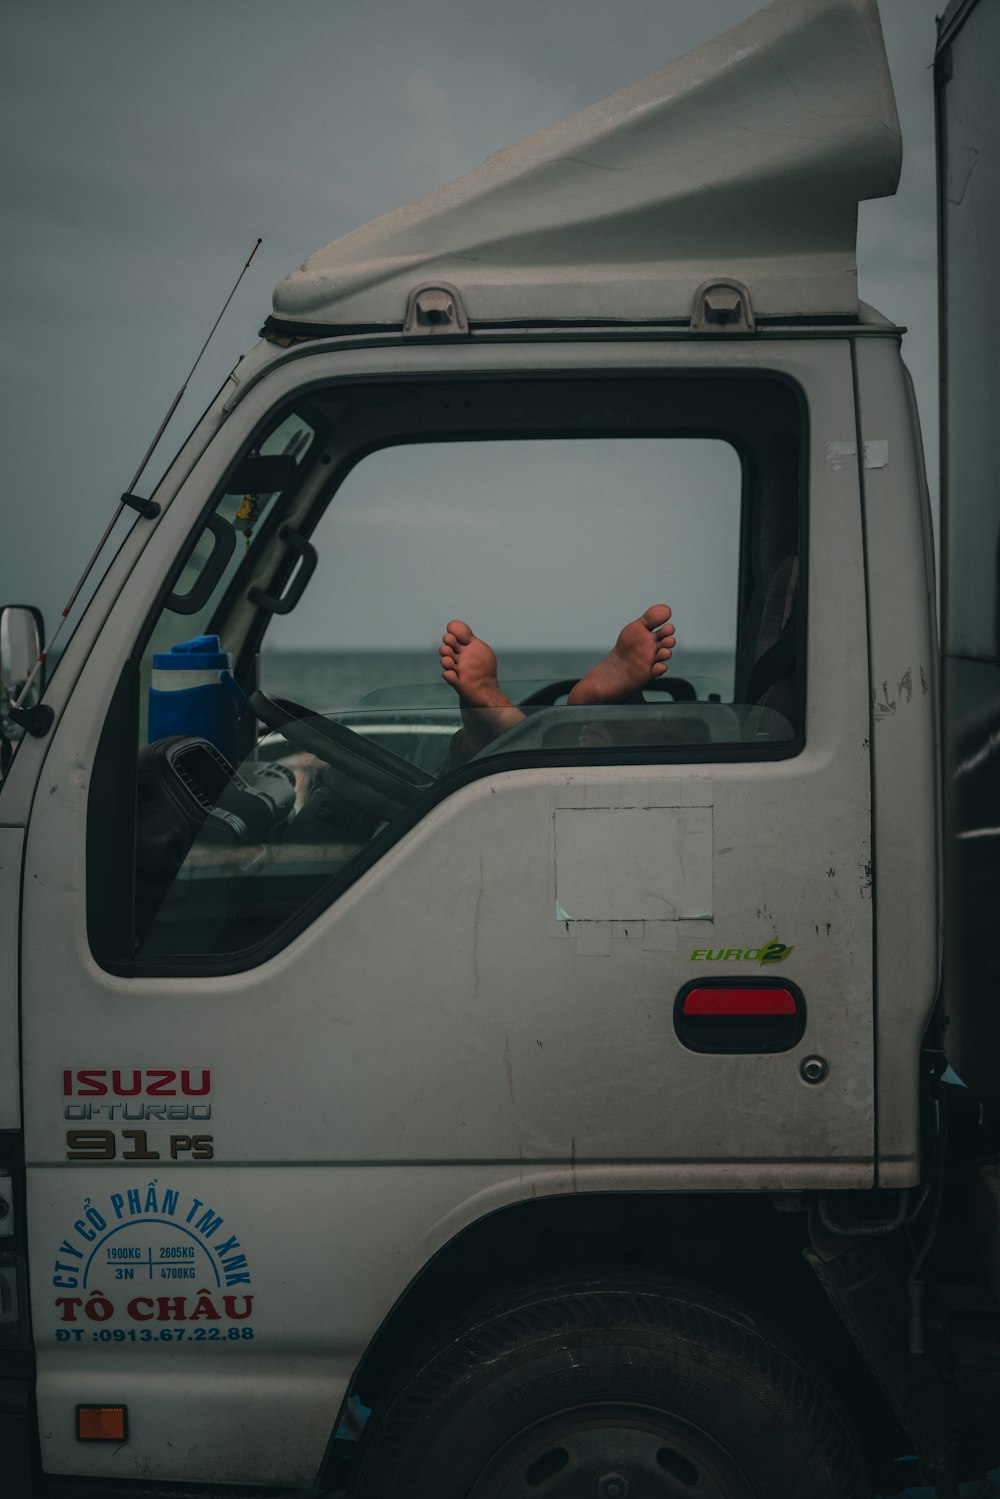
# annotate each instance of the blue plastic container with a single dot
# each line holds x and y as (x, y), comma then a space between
(193, 691)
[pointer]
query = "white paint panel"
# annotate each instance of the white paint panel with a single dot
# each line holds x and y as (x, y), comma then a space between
(904, 655)
(634, 863)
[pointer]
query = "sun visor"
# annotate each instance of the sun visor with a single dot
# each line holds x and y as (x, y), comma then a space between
(745, 159)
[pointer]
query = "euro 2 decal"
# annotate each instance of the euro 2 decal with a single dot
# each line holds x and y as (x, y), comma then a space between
(764, 956)
(151, 1264)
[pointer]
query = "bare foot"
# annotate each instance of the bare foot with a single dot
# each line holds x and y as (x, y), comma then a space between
(641, 651)
(469, 665)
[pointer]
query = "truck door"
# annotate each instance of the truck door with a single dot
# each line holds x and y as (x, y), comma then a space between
(302, 999)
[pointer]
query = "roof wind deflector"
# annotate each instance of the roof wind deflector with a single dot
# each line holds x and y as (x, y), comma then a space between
(745, 159)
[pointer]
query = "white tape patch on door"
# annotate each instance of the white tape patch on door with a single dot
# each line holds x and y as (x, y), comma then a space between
(631, 860)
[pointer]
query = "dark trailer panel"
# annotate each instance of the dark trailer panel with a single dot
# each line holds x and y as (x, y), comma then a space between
(968, 125)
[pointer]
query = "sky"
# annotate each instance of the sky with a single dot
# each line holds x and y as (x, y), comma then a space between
(148, 144)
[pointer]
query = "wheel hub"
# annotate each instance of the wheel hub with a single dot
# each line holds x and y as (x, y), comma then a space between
(620, 1451)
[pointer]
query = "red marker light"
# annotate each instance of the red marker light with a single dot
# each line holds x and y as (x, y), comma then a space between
(755, 1015)
(739, 1002)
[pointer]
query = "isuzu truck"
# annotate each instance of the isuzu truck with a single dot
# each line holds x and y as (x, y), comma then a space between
(601, 1100)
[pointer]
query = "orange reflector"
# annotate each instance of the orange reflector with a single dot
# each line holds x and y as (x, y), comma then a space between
(735, 1001)
(101, 1423)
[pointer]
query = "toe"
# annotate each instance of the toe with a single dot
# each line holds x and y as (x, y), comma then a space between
(656, 615)
(460, 630)
(659, 667)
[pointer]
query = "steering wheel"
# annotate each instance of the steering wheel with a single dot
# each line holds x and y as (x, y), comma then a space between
(352, 754)
(675, 687)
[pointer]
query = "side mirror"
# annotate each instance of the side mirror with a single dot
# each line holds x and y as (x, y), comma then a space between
(22, 640)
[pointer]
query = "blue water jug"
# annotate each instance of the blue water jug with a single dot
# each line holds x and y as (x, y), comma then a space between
(193, 691)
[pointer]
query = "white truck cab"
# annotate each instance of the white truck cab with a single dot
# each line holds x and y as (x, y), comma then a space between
(557, 1110)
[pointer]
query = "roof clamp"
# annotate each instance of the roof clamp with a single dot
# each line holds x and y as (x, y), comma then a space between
(435, 308)
(722, 307)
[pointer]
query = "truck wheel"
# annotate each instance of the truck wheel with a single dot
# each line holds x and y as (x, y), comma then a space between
(610, 1388)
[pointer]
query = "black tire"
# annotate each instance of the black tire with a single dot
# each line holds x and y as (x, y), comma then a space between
(610, 1387)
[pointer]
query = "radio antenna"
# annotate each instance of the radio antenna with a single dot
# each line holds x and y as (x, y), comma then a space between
(38, 719)
(128, 496)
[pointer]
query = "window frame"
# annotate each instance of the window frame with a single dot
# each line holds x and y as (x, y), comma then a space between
(113, 948)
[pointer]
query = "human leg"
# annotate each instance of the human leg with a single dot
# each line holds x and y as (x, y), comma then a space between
(469, 665)
(641, 651)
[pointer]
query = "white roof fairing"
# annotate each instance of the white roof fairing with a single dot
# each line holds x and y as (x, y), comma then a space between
(745, 159)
